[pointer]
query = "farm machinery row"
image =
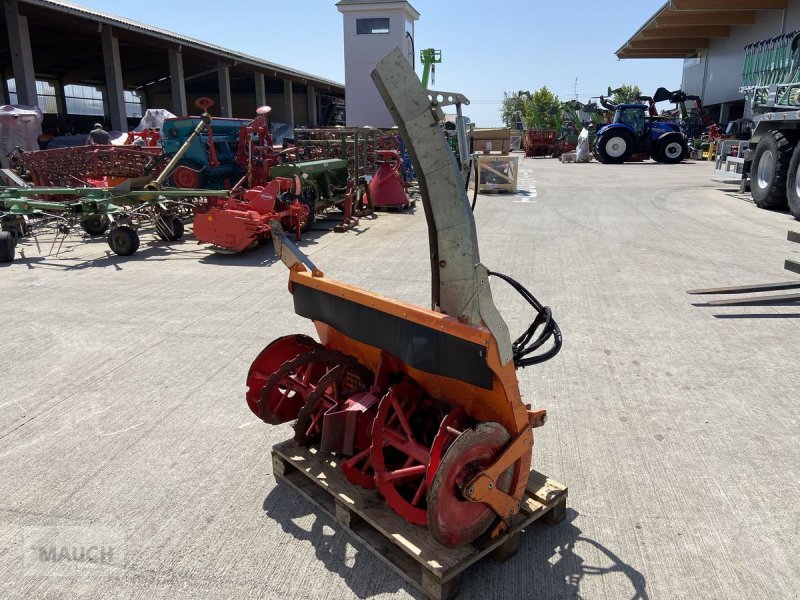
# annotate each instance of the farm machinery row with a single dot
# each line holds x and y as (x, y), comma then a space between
(226, 175)
(115, 212)
(422, 405)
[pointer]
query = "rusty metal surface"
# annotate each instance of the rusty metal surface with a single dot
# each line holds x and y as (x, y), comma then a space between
(70, 167)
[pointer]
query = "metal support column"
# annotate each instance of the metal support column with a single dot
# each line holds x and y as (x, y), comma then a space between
(288, 103)
(225, 101)
(311, 102)
(61, 99)
(19, 42)
(114, 90)
(724, 112)
(261, 92)
(177, 83)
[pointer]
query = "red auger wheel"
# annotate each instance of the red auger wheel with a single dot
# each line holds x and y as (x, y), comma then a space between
(331, 396)
(452, 520)
(345, 377)
(288, 389)
(402, 436)
(450, 428)
(276, 353)
(308, 427)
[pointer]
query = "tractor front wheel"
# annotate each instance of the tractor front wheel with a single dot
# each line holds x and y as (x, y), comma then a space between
(769, 170)
(672, 149)
(614, 148)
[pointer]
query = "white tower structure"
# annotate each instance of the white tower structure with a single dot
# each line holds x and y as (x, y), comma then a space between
(372, 29)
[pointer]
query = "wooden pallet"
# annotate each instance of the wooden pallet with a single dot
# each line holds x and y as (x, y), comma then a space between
(408, 550)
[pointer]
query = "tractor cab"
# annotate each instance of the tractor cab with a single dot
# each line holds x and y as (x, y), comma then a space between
(632, 115)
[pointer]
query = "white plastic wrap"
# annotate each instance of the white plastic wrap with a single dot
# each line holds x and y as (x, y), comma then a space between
(153, 118)
(19, 126)
(582, 153)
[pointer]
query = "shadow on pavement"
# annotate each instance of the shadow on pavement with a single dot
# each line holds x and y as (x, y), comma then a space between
(58, 256)
(551, 563)
(150, 251)
(559, 563)
(364, 574)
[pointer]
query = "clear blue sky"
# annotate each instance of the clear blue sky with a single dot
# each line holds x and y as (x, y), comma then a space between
(487, 48)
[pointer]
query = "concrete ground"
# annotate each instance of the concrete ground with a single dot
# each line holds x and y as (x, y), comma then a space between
(123, 422)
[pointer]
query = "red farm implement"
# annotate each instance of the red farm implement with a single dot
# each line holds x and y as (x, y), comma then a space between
(73, 167)
(235, 224)
(539, 142)
(387, 186)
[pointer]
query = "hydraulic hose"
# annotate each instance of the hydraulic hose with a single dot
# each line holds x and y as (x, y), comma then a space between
(525, 345)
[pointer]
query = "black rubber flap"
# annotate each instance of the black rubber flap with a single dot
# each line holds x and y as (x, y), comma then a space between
(418, 346)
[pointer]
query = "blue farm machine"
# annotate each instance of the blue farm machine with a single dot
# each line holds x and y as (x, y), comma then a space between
(229, 153)
(634, 130)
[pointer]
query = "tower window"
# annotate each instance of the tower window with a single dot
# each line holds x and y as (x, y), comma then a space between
(368, 26)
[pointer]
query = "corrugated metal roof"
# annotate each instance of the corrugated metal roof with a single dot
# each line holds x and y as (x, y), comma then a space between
(120, 22)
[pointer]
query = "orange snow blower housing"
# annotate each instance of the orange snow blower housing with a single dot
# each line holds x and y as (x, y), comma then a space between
(421, 404)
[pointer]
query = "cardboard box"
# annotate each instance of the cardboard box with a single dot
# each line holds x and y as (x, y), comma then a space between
(491, 140)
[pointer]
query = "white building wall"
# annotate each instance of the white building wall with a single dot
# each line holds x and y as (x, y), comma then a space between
(693, 74)
(364, 106)
(717, 75)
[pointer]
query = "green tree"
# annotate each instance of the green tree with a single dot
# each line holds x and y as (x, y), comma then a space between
(625, 94)
(543, 110)
(513, 108)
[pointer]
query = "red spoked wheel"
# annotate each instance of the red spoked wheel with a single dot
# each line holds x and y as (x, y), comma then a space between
(452, 520)
(359, 470)
(288, 388)
(451, 427)
(308, 427)
(275, 354)
(343, 379)
(402, 435)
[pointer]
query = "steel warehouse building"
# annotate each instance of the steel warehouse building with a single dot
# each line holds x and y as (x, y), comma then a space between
(710, 36)
(80, 65)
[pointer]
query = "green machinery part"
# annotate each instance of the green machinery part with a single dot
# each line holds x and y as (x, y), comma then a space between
(429, 57)
(772, 61)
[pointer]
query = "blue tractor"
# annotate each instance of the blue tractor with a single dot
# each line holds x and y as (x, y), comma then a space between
(634, 131)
